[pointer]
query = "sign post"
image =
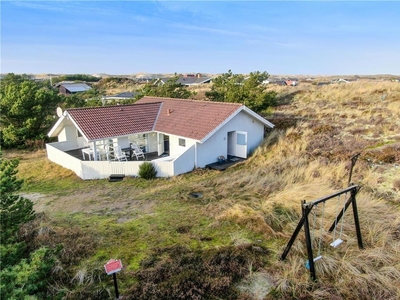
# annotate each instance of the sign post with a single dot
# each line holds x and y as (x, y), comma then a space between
(112, 267)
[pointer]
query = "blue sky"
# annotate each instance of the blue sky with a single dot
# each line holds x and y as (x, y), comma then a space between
(127, 37)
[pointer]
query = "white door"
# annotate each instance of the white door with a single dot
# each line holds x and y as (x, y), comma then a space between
(241, 144)
(160, 148)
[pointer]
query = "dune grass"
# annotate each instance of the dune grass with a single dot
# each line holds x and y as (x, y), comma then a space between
(253, 206)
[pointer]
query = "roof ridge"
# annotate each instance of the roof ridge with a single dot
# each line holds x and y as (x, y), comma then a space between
(194, 100)
(110, 106)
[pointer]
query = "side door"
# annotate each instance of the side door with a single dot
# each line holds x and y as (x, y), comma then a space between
(241, 144)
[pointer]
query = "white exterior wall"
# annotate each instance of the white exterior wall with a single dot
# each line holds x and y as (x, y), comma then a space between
(82, 143)
(70, 136)
(174, 147)
(217, 144)
(185, 162)
(123, 142)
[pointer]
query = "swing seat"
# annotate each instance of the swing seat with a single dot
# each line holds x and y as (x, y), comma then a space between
(315, 259)
(336, 243)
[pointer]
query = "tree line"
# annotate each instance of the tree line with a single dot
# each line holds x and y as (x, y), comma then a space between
(28, 107)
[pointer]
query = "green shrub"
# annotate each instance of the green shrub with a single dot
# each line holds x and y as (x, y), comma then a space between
(147, 170)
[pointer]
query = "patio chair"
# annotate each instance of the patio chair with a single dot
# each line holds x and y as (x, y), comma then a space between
(137, 151)
(89, 151)
(103, 152)
(109, 149)
(119, 154)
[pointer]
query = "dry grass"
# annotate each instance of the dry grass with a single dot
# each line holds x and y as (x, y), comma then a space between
(311, 160)
(258, 202)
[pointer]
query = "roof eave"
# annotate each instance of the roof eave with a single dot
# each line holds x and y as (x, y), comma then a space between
(158, 114)
(79, 129)
(221, 124)
(258, 117)
(55, 127)
(241, 108)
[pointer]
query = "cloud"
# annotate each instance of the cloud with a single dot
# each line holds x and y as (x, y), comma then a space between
(208, 29)
(47, 6)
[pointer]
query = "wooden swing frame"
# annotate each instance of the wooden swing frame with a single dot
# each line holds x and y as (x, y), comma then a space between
(306, 208)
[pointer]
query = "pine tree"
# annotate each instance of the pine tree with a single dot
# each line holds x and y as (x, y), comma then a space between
(14, 209)
(22, 274)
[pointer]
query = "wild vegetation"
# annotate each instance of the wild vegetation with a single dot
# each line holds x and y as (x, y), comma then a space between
(76, 78)
(26, 111)
(213, 235)
(238, 88)
(23, 270)
(147, 170)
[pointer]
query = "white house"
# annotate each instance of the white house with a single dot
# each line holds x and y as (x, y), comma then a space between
(177, 135)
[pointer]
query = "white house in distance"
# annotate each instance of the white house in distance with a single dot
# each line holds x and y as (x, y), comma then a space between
(177, 135)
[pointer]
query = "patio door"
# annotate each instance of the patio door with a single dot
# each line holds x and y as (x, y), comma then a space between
(163, 144)
(241, 144)
(160, 146)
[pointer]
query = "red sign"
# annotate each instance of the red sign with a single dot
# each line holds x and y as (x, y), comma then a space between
(113, 266)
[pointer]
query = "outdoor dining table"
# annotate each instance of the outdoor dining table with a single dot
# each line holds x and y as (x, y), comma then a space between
(128, 149)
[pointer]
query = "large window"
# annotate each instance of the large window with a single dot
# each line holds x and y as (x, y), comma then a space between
(182, 142)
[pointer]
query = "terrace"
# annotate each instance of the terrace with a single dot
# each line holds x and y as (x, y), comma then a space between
(86, 167)
(149, 156)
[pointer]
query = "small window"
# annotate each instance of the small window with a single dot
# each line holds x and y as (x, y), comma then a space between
(182, 142)
(78, 133)
(241, 139)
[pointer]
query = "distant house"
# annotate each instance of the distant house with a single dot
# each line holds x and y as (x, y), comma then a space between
(340, 80)
(274, 81)
(68, 88)
(121, 96)
(292, 82)
(177, 135)
(193, 79)
(161, 81)
(186, 79)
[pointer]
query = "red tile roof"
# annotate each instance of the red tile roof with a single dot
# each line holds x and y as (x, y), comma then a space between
(190, 118)
(182, 117)
(113, 121)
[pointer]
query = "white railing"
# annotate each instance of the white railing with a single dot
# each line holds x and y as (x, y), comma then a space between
(103, 169)
(63, 159)
(64, 146)
(185, 162)
(89, 169)
(164, 166)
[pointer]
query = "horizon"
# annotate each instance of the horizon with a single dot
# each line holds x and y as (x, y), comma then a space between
(164, 37)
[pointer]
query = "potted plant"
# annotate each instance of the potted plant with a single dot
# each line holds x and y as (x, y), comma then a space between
(221, 159)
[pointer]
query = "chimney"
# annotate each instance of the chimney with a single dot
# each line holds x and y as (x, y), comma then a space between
(169, 111)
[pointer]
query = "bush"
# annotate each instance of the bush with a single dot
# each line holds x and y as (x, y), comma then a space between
(147, 170)
(177, 272)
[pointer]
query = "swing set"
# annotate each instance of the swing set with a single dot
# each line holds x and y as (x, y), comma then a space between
(312, 208)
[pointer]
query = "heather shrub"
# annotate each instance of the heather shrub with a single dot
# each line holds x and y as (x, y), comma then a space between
(179, 273)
